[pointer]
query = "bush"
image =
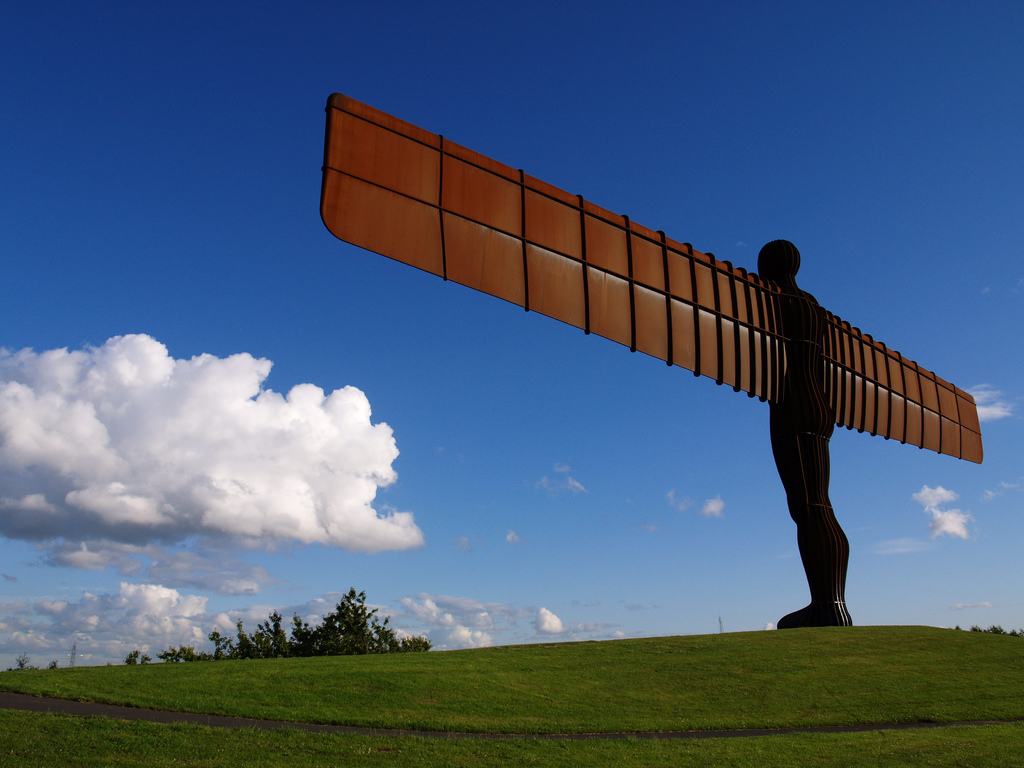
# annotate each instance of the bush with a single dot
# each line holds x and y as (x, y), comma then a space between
(185, 653)
(22, 662)
(414, 644)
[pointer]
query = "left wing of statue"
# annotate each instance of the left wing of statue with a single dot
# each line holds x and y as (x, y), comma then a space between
(414, 196)
(875, 389)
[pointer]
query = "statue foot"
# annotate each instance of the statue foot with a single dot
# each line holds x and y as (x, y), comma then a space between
(832, 614)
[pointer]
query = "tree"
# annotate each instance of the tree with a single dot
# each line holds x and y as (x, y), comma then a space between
(270, 639)
(303, 638)
(245, 648)
(352, 629)
(223, 648)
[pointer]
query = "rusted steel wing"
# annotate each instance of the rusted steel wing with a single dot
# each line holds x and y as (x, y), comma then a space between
(414, 196)
(875, 389)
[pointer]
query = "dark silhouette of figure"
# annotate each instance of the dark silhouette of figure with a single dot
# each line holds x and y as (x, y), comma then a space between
(801, 425)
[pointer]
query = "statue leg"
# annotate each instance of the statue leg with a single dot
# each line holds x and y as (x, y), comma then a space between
(803, 463)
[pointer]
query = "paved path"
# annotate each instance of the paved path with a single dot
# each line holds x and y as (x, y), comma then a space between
(88, 709)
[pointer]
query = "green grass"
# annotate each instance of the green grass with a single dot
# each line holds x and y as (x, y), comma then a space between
(745, 680)
(751, 680)
(32, 740)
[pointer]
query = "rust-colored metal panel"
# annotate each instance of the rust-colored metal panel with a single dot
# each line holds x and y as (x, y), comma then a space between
(741, 291)
(911, 381)
(648, 262)
(897, 417)
(970, 445)
(651, 322)
(895, 373)
(484, 258)
(745, 362)
(759, 384)
(931, 430)
(870, 413)
(382, 221)
(705, 280)
(707, 340)
(882, 418)
(606, 245)
(725, 304)
(729, 364)
(947, 400)
(556, 286)
(868, 356)
(968, 410)
(915, 425)
(481, 196)
(856, 407)
(406, 193)
(383, 157)
(681, 276)
(929, 391)
(950, 437)
(553, 225)
(609, 306)
(684, 336)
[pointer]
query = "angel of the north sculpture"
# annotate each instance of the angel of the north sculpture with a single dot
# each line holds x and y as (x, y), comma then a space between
(414, 196)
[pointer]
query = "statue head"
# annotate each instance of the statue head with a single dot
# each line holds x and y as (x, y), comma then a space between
(779, 261)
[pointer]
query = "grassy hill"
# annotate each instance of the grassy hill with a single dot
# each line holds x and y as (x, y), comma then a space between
(796, 678)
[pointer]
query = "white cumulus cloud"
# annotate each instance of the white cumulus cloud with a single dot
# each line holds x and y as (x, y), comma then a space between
(713, 507)
(991, 403)
(935, 497)
(124, 443)
(547, 623)
(952, 522)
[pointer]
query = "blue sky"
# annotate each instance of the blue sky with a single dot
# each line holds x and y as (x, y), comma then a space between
(487, 476)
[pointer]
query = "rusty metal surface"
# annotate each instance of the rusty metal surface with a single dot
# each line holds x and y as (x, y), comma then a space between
(414, 196)
(875, 389)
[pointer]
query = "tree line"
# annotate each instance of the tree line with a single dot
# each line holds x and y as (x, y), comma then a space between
(995, 629)
(350, 629)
